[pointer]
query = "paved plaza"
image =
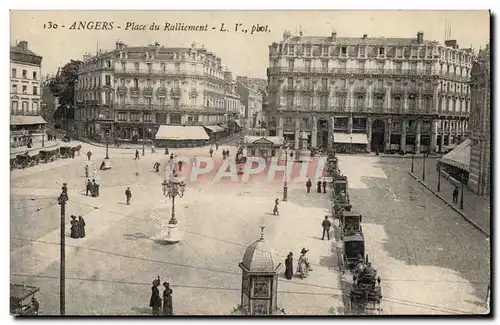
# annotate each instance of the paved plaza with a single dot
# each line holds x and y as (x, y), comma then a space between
(430, 260)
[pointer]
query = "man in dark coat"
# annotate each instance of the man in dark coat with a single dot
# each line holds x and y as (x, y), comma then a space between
(211, 151)
(455, 195)
(88, 187)
(324, 186)
(275, 210)
(168, 309)
(319, 187)
(326, 224)
(81, 228)
(128, 195)
(137, 155)
(93, 189)
(155, 301)
(89, 155)
(166, 150)
(289, 266)
(309, 185)
(74, 227)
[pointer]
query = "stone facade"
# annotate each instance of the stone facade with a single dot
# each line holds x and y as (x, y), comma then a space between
(405, 94)
(480, 130)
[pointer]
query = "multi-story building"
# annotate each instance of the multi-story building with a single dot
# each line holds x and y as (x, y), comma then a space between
(25, 70)
(480, 125)
(251, 98)
(232, 104)
(131, 91)
(405, 94)
(26, 124)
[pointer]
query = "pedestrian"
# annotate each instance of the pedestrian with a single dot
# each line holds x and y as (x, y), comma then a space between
(289, 266)
(216, 145)
(227, 153)
(319, 187)
(180, 165)
(136, 155)
(275, 210)
(97, 189)
(128, 195)
(455, 195)
(93, 188)
(308, 185)
(103, 164)
(168, 309)
(166, 150)
(172, 156)
(324, 186)
(155, 301)
(74, 227)
(211, 151)
(81, 227)
(89, 155)
(86, 171)
(326, 228)
(88, 188)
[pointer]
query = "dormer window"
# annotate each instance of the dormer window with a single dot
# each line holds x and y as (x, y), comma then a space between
(362, 51)
(381, 51)
(343, 50)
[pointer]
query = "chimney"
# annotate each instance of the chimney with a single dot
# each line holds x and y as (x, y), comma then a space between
(365, 36)
(334, 35)
(23, 45)
(451, 43)
(420, 37)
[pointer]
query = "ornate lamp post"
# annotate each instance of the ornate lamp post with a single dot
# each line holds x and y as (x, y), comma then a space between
(285, 185)
(106, 137)
(172, 189)
(61, 200)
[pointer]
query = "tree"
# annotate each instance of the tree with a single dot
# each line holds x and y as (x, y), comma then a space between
(62, 86)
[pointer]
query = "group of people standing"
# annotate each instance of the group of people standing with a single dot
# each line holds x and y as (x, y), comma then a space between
(156, 302)
(92, 187)
(303, 266)
(225, 153)
(77, 227)
(319, 185)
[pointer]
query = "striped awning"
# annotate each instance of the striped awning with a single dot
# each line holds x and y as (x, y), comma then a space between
(355, 138)
(458, 157)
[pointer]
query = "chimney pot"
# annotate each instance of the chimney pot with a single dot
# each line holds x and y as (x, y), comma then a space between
(420, 37)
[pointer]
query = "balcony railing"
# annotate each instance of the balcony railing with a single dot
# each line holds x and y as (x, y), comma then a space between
(147, 72)
(388, 72)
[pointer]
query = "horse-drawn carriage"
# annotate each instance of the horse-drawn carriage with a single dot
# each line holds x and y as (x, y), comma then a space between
(48, 155)
(66, 152)
(350, 223)
(353, 250)
(77, 149)
(366, 285)
(18, 296)
(25, 160)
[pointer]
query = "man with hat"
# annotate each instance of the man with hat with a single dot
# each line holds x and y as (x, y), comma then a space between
(289, 266)
(155, 301)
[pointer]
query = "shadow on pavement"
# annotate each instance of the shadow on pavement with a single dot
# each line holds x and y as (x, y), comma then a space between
(141, 310)
(135, 236)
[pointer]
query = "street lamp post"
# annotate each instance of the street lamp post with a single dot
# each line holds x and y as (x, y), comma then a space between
(43, 135)
(462, 179)
(61, 200)
(439, 178)
(143, 140)
(285, 185)
(412, 159)
(172, 189)
(106, 136)
(423, 170)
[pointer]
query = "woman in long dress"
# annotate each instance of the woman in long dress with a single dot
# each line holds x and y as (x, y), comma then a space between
(82, 226)
(74, 227)
(168, 309)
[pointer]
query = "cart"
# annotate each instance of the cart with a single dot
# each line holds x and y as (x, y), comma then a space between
(350, 224)
(65, 152)
(19, 295)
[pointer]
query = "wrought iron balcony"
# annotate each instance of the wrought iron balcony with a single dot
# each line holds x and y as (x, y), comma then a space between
(122, 90)
(175, 93)
(148, 92)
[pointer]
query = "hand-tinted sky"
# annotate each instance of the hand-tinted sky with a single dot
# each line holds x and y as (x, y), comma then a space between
(244, 54)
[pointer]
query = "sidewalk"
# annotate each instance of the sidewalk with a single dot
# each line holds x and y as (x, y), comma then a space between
(476, 208)
(37, 146)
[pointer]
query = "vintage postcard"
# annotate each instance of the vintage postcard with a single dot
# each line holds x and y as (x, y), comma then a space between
(220, 163)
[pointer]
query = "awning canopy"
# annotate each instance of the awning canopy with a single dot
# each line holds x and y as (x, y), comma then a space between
(214, 128)
(179, 132)
(26, 120)
(458, 157)
(355, 138)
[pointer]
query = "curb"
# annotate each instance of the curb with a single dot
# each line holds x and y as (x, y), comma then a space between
(451, 206)
(33, 149)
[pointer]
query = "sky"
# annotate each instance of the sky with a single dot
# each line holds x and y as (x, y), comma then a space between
(243, 53)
